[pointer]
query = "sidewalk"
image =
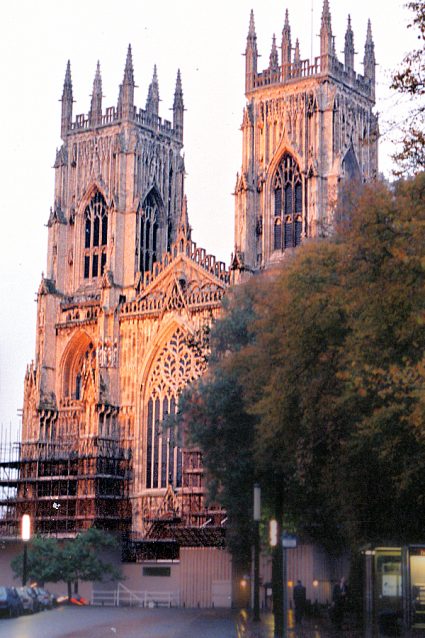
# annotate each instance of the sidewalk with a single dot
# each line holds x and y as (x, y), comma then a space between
(310, 628)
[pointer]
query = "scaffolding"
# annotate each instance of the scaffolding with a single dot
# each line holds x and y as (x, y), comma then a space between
(66, 486)
(70, 484)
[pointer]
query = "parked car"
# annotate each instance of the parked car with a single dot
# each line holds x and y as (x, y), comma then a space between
(33, 594)
(44, 598)
(29, 599)
(10, 603)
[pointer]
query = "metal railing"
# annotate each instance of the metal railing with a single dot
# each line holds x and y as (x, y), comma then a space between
(125, 597)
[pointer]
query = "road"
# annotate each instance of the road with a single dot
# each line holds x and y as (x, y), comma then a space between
(124, 622)
(97, 622)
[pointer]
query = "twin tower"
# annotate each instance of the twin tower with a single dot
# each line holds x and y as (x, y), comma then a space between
(307, 125)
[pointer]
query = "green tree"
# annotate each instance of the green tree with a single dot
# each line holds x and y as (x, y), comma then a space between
(43, 560)
(219, 423)
(410, 81)
(51, 560)
(317, 383)
(383, 364)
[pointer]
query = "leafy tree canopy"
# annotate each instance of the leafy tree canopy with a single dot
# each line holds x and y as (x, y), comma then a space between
(51, 560)
(316, 381)
(410, 80)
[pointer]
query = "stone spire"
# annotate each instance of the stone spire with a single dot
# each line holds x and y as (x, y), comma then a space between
(184, 230)
(286, 46)
(251, 55)
(126, 95)
(178, 106)
(66, 118)
(95, 115)
(297, 57)
(349, 47)
(274, 56)
(326, 40)
(369, 61)
(152, 102)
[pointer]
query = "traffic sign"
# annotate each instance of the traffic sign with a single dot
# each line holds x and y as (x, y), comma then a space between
(288, 541)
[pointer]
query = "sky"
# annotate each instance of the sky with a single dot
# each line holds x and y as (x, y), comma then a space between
(206, 41)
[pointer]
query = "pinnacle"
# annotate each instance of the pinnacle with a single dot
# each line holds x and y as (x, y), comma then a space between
(154, 83)
(128, 71)
(286, 31)
(178, 93)
(349, 32)
(153, 93)
(274, 56)
(297, 55)
(68, 81)
(67, 85)
(97, 83)
(184, 218)
(178, 89)
(369, 32)
(326, 13)
(251, 31)
(68, 71)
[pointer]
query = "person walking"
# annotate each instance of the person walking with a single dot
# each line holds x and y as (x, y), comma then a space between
(339, 602)
(299, 596)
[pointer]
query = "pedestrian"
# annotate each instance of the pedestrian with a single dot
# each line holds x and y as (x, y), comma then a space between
(339, 602)
(299, 596)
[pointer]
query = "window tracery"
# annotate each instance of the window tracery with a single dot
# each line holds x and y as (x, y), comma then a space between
(95, 237)
(80, 366)
(288, 204)
(176, 366)
(148, 234)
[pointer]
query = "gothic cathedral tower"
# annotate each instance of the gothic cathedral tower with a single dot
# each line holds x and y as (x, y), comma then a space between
(306, 126)
(117, 205)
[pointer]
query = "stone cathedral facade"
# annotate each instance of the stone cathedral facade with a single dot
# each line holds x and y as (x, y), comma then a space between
(122, 313)
(307, 125)
(127, 298)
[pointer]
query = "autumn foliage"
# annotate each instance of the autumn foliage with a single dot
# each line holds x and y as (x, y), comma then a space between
(316, 383)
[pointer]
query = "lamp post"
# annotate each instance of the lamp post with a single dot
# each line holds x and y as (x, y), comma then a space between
(257, 517)
(25, 535)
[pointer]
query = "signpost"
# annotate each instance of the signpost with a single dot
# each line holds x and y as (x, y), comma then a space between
(288, 542)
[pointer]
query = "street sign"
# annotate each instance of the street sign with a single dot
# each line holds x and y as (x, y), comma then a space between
(288, 542)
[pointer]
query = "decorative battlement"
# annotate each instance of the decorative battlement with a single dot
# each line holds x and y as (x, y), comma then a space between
(293, 68)
(198, 255)
(206, 296)
(112, 116)
(125, 109)
(306, 69)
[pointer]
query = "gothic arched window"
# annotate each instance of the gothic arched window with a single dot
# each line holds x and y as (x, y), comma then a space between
(148, 234)
(176, 365)
(80, 363)
(95, 237)
(288, 204)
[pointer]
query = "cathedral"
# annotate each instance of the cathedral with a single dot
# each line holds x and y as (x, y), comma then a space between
(307, 126)
(127, 299)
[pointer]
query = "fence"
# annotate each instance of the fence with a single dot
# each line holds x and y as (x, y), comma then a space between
(124, 597)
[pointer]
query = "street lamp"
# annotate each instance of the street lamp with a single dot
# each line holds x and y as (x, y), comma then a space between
(257, 517)
(25, 535)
